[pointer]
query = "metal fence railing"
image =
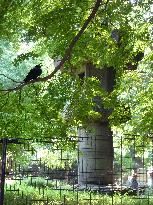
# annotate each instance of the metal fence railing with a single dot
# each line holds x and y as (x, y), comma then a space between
(45, 175)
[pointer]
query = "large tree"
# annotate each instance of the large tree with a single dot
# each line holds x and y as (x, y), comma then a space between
(106, 34)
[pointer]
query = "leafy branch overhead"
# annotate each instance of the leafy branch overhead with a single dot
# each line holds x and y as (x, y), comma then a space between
(104, 33)
(68, 51)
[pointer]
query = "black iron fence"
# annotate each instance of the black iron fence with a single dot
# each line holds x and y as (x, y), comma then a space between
(50, 176)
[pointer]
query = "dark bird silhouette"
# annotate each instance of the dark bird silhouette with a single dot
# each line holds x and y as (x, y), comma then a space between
(33, 74)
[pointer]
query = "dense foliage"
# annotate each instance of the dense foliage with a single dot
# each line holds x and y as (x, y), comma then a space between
(55, 107)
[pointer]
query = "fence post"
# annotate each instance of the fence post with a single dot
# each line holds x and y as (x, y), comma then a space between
(2, 184)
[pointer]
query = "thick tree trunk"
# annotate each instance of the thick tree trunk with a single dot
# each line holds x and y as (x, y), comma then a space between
(95, 155)
(96, 141)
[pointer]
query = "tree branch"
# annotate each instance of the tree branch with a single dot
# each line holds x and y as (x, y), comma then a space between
(9, 78)
(67, 52)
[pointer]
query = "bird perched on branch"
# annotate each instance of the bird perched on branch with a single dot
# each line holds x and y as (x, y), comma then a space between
(33, 74)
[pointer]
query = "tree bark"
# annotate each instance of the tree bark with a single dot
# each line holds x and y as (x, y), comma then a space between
(96, 142)
(95, 155)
